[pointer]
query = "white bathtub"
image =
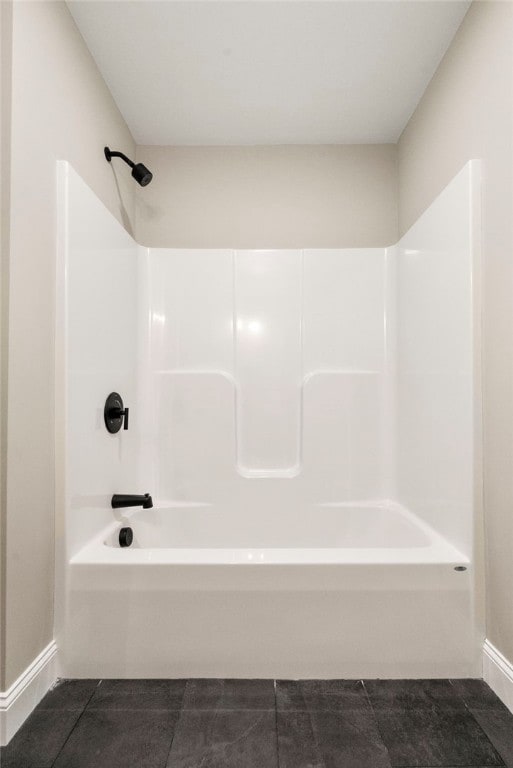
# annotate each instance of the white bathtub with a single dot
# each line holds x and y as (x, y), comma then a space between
(349, 590)
(356, 533)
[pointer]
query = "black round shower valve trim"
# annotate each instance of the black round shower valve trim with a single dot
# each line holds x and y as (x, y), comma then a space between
(115, 414)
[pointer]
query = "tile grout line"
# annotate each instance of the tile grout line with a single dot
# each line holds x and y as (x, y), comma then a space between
(376, 721)
(180, 711)
(276, 724)
(315, 735)
(76, 723)
(469, 710)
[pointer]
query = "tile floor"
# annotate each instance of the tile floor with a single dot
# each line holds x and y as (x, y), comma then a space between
(265, 724)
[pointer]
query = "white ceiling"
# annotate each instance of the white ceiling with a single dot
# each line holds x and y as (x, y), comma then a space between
(267, 72)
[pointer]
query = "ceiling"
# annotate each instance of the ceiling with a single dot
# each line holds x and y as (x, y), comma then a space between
(275, 72)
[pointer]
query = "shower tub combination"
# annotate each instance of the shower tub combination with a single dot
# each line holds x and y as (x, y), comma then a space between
(308, 425)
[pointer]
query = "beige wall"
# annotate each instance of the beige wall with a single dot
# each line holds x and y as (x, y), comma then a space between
(62, 109)
(5, 162)
(467, 112)
(269, 196)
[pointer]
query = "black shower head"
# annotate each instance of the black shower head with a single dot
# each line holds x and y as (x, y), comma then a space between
(140, 173)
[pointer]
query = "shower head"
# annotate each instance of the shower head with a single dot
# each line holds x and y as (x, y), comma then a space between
(139, 171)
(141, 174)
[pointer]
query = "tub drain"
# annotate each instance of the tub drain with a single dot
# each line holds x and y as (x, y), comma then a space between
(126, 537)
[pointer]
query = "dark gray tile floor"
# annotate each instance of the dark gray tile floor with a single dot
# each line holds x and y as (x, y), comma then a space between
(265, 724)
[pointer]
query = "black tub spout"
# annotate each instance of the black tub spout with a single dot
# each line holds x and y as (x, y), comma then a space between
(120, 500)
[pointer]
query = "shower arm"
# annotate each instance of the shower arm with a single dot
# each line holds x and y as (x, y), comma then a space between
(110, 154)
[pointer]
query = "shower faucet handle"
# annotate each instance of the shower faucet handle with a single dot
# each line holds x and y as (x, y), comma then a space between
(115, 414)
(118, 413)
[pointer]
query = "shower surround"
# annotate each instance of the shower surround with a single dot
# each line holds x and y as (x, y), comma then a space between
(308, 425)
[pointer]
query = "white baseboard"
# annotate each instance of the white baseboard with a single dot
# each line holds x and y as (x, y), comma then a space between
(26, 692)
(498, 673)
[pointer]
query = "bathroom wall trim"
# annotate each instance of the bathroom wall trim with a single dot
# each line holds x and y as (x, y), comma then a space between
(498, 673)
(18, 701)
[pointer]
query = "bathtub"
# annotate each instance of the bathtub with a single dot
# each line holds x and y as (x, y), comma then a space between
(198, 534)
(340, 590)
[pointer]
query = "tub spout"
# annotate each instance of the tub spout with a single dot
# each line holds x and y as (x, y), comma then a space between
(126, 500)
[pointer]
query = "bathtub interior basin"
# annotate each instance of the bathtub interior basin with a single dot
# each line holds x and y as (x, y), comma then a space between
(318, 526)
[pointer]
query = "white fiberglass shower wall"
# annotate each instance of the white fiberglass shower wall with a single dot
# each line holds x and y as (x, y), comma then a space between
(270, 366)
(307, 422)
